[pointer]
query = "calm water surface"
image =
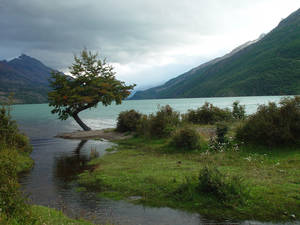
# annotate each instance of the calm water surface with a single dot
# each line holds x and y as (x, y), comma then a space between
(57, 162)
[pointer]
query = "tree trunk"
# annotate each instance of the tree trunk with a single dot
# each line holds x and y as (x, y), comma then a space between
(79, 121)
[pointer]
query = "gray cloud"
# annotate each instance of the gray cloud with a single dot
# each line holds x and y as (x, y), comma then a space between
(131, 32)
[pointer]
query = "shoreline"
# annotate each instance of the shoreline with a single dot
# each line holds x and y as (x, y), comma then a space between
(108, 134)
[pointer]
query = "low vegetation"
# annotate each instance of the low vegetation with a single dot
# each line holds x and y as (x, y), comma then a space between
(186, 138)
(128, 121)
(14, 158)
(208, 114)
(273, 125)
(212, 173)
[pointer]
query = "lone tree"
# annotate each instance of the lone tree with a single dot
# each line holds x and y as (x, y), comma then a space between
(92, 81)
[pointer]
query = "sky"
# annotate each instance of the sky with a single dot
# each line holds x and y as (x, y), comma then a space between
(147, 41)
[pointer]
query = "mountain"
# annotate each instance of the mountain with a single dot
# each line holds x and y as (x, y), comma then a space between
(268, 66)
(26, 77)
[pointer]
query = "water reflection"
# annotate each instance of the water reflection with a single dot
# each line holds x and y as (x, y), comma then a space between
(68, 166)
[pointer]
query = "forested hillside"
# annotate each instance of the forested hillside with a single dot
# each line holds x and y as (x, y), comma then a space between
(270, 66)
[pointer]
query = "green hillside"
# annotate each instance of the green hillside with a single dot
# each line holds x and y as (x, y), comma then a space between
(270, 66)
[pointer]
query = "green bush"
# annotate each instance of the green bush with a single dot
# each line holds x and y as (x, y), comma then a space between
(222, 129)
(160, 124)
(238, 111)
(218, 185)
(10, 136)
(273, 125)
(186, 138)
(128, 121)
(8, 128)
(213, 184)
(143, 128)
(207, 114)
(13, 206)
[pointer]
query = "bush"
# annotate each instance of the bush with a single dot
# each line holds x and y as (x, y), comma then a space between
(208, 114)
(12, 203)
(143, 128)
(225, 189)
(222, 129)
(212, 183)
(272, 125)
(128, 121)
(8, 127)
(187, 138)
(238, 111)
(160, 124)
(164, 122)
(10, 136)
(13, 206)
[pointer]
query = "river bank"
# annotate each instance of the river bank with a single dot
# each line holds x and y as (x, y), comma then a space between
(150, 172)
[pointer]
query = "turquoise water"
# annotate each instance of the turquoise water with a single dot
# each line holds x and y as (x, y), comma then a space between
(37, 121)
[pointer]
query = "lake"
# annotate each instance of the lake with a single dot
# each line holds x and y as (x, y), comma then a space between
(52, 181)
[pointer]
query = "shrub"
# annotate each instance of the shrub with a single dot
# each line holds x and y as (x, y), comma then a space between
(212, 183)
(143, 128)
(10, 136)
(128, 121)
(218, 185)
(8, 127)
(238, 111)
(187, 191)
(273, 125)
(163, 123)
(12, 203)
(222, 129)
(207, 114)
(13, 206)
(186, 138)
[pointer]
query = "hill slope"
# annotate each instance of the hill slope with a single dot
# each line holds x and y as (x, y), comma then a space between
(270, 66)
(26, 77)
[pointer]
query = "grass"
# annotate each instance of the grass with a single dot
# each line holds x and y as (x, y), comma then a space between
(48, 216)
(24, 162)
(148, 168)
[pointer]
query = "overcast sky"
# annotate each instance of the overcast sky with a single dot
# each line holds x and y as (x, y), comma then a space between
(147, 41)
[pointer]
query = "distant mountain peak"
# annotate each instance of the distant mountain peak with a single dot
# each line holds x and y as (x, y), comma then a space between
(27, 77)
(25, 58)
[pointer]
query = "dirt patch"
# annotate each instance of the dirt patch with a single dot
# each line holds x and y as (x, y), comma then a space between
(108, 134)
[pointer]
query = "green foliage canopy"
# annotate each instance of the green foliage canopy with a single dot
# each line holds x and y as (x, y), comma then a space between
(93, 81)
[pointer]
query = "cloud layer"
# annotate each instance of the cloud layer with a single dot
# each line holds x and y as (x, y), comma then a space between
(148, 42)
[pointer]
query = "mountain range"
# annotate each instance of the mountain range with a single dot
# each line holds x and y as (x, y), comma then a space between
(26, 77)
(267, 66)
